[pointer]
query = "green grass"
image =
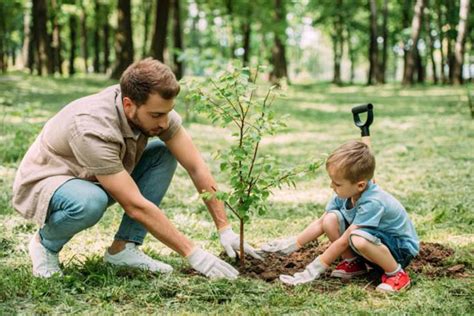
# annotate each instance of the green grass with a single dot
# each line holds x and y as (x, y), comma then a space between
(423, 138)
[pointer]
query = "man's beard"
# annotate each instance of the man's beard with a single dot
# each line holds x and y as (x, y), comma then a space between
(136, 124)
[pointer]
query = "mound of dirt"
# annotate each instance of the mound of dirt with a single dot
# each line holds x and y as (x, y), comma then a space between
(431, 261)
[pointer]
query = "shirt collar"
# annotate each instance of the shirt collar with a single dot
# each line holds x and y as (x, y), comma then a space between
(125, 128)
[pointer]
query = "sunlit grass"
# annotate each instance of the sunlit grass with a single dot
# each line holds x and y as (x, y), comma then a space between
(423, 140)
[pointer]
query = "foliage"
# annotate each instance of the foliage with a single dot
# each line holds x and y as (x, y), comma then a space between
(233, 99)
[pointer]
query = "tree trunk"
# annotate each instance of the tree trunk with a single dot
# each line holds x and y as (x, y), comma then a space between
(85, 46)
(106, 31)
(431, 46)
(278, 59)
(158, 42)
(246, 31)
(72, 40)
(373, 49)
(383, 66)
(26, 50)
(338, 45)
(3, 49)
(460, 42)
(230, 12)
(241, 244)
(450, 8)
(123, 39)
(351, 53)
(56, 38)
(406, 19)
(178, 40)
(415, 34)
(420, 68)
(441, 40)
(97, 28)
(147, 7)
(42, 49)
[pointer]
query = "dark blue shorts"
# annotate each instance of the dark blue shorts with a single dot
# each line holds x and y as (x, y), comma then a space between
(397, 247)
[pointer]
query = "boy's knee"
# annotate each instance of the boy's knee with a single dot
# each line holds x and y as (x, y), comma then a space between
(330, 222)
(358, 243)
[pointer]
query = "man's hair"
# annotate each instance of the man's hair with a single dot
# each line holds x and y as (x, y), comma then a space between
(354, 160)
(148, 76)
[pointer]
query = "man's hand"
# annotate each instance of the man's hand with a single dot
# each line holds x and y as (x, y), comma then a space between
(282, 246)
(210, 265)
(313, 271)
(231, 243)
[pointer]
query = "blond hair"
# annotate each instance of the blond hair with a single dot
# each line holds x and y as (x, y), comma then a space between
(148, 76)
(354, 160)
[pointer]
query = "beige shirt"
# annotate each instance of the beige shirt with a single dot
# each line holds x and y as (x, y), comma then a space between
(88, 137)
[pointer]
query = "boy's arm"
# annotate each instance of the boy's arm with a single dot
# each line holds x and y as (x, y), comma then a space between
(288, 245)
(316, 268)
(310, 233)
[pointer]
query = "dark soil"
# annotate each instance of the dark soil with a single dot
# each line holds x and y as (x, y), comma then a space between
(431, 262)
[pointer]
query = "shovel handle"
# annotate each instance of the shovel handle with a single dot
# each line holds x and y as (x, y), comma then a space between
(364, 126)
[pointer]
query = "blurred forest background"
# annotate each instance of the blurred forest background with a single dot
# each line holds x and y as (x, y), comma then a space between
(357, 41)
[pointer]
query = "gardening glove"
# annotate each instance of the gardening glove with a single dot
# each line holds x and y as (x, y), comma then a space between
(210, 265)
(282, 246)
(313, 271)
(231, 243)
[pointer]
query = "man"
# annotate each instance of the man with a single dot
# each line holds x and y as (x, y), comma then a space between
(94, 152)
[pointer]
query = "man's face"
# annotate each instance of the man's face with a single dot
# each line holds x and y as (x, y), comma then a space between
(344, 188)
(151, 118)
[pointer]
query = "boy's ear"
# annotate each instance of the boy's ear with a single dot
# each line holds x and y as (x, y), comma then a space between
(361, 185)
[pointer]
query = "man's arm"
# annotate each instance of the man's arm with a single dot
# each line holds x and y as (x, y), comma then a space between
(124, 190)
(183, 148)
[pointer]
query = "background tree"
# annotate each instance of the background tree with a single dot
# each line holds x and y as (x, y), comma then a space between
(460, 42)
(278, 56)
(123, 39)
(413, 50)
(158, 42)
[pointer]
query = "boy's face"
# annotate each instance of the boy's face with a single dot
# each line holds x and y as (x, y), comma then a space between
(344, 188)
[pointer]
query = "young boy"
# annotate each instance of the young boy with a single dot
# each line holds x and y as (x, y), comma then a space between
(363, 223)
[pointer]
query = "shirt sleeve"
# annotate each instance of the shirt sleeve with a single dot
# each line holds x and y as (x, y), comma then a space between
(334, 203)
(99, 154)
(369, 214)
(174, 124)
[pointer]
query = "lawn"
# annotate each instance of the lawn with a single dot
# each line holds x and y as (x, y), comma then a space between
(423, 138)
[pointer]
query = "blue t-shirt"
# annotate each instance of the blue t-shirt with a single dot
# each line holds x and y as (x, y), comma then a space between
(379, 210)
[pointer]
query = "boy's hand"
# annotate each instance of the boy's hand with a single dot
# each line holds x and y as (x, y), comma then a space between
(231, 243)
(282, 246)
(313, 271)
(210, 265)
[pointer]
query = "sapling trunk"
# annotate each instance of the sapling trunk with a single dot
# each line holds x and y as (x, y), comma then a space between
(242, 253)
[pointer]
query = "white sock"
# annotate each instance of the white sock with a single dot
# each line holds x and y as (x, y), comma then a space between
(398, 269)
(350, 259)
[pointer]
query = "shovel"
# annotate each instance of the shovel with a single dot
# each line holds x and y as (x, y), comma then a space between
(364, 126)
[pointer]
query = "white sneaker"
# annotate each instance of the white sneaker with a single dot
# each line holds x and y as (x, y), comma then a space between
(45, 262)
(133, 257)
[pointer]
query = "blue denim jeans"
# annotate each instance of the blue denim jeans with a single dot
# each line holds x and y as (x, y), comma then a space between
(79, 204)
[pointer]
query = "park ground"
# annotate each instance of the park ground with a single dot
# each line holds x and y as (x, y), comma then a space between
(423, 138)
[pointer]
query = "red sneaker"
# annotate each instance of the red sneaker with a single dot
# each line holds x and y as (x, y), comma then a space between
(394, 283)
(347, 270)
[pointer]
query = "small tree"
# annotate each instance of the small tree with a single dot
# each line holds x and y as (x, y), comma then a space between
(232, 101)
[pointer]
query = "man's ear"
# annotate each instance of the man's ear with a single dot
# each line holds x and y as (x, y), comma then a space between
(128, 106)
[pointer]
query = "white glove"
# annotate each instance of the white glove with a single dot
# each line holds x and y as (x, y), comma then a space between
(282, 246)
(311, 272)
(231, 243)
(210, 265)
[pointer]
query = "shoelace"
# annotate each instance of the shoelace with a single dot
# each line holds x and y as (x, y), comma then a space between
(142, 254)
